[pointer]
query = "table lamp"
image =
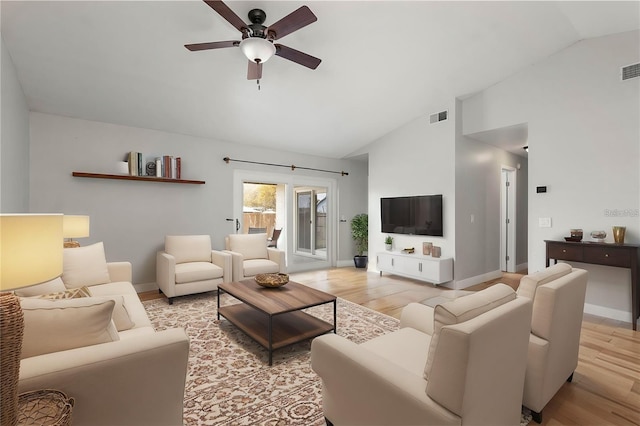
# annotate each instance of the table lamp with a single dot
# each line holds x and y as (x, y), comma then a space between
(30, 253)
(74, 226)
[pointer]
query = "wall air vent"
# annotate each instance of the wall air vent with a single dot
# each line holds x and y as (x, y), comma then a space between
(438, 116)
(630, 71)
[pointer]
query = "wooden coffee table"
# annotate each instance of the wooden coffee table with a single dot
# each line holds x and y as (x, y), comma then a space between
(273, 317)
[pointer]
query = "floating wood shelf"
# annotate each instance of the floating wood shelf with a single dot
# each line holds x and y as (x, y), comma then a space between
(144, 178)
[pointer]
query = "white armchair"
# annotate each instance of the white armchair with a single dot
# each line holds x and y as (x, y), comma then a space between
(188, 265)
(558, 294)
(460, 363)
(251, 256)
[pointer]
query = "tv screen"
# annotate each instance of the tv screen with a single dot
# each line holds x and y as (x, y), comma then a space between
(419, 215)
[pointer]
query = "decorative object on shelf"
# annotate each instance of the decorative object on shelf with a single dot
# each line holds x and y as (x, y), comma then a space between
(618, 234)
(436, 251)
(30, 253)
(388, 243)
(74, 226)
(151, 168)
(45, 407)
(598, 236)
(272, 280)
(576, 235)
(360, 234)
(122, 167)
(409, 250)
(426, 248)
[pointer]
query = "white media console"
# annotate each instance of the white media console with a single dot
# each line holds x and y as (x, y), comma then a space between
(436, 270)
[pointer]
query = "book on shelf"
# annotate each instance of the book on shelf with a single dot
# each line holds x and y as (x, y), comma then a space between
(178, 168)
(167, 166)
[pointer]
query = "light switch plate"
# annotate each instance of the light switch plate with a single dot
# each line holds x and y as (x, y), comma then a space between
(544, 222)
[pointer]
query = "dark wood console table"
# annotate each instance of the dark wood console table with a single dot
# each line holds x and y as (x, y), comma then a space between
(620, 255)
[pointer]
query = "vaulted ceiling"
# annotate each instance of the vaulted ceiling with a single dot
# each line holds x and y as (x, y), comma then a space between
(384, 63)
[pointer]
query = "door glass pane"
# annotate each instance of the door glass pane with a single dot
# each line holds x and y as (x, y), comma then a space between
(321, 220)
(303, 206)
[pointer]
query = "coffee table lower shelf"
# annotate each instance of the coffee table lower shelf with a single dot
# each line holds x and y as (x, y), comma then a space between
(275, 331)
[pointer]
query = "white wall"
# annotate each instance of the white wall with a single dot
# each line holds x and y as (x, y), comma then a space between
(478, 171)
(14, 140)
(584, 145)
(133, 217)
(416, 159)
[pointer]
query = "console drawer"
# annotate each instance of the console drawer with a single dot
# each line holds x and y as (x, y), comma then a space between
(566, 252)
(610, 256)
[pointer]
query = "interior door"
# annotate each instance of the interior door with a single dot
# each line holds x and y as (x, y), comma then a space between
(304, 221)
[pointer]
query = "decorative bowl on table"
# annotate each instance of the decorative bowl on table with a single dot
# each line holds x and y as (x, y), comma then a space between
(272, 280)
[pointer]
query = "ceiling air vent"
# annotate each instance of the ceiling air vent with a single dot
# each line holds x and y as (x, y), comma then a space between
(630, 71)
(438, 116)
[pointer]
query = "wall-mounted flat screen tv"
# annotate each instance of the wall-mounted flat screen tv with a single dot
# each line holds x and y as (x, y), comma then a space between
(418, 215)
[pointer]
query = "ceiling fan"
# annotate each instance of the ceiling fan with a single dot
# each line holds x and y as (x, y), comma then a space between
(258, 41)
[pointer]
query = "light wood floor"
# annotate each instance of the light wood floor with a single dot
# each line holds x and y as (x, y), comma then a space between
(606, 385)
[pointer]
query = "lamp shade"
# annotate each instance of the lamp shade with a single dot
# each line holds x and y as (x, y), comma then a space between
(75, 226)
(257, 49)
(30, 249)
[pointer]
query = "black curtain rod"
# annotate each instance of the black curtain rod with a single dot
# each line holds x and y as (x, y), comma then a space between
(227, 160)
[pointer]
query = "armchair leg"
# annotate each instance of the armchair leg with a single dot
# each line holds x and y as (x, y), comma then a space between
(328, 422)
(537, 417)
(570, 379)
(170, 300)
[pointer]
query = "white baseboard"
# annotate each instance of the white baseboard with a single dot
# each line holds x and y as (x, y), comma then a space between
(468, 282)
(603, 311)
(142, 287)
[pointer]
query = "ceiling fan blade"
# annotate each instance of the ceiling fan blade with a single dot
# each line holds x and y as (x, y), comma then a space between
(297, 56)
(254, 71)
(228, 14)
(292, 22)
(212, 45)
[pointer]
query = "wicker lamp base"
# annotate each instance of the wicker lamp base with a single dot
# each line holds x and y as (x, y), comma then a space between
(11, 330)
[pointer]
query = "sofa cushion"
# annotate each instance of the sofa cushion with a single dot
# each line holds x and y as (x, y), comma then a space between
(259, 266)
(530, 283)
(250, 246)
(58, 325)
(54, 286)
(85, 266)
(463, 309)
(197, 271)
(135, 308)
(406, 348)
(188, 248)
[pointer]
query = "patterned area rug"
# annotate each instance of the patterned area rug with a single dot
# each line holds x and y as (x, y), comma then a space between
(229, 381)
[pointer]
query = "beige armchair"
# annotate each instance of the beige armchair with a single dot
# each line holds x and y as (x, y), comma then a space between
(188, 265)
(558, 296)
(251, 256)
(462, 362)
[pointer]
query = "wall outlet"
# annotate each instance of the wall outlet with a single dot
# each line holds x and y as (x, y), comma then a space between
(544, 222)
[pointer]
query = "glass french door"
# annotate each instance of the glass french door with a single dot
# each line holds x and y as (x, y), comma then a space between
(311, 227)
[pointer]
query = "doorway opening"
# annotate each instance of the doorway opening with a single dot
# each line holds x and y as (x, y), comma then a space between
(311, 222)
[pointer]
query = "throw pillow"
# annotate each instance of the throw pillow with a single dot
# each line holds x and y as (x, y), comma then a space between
(85, 266)
(120, 317)
(58, 325)
(54, 286)
(463, 309)
(73, 293)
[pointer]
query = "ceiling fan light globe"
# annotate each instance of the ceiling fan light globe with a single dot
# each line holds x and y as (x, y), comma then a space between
(257, 49)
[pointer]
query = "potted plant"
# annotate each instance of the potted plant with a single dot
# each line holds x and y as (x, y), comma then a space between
(388, 242)
(360, 234)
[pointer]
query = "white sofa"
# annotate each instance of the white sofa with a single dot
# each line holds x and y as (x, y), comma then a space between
(131, 376)
(460, 363)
